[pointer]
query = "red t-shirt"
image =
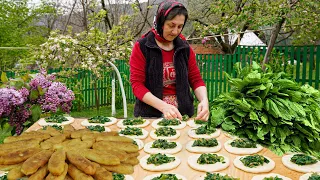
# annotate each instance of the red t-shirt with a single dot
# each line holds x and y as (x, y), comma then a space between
(137, 72)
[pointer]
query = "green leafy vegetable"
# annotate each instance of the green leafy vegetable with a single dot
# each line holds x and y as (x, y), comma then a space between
(200, 122)
(158, 159)
(166, 177)
(163, 144)
(117, 176)
(254, 160)
(99, 119)
(169, 122)
(165, 131)
(57, 127)
(133, 121)
(131, 131)
(56, 119)
(205, 142)
(272, 178)
(243, 143)
(96, 128)
(314, 176)
(302, 159)
(210, 159)
(217, 176)
(185, 117)
(204, 130)
(4, 177)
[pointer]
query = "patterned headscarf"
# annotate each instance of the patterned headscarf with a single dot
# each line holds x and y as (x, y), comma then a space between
(163, 10)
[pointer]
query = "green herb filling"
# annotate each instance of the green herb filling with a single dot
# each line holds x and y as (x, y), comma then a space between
(210, 159)
(163, 144)
(254, 160)
(158, 159)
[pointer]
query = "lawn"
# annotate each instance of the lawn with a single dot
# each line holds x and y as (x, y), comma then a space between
(106, 111)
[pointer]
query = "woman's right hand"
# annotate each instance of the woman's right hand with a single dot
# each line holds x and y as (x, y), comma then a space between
(171, 112)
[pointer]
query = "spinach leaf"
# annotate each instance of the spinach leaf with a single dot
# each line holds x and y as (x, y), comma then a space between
(302, 159)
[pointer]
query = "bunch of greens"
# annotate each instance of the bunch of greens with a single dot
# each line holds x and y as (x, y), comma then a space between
(166, 177)
(165, 131)
(56, 118)
(169, 122)
(131, 131)
(314, 176)
(163, 144)
(202, 142)
(217, 176)
(243, 143)
(270, 109)
(99, 119)
(96, 128)
(158, 159)
(302, 159)
(254, 160)
(133, 121)
(208, 158)
(117, 176)
(57, 127)
(205, 130)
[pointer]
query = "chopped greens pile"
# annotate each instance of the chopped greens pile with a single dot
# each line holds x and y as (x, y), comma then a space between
(205, 142)
(210, 159)
(163, 144)
(272, 178)
(166, 177)
(96, 128)
(158, 159)
(131, 131)
(302, 159)
(133, 121)
(217, 176)
(200, 122)
(314, 176)
(185, 117)
(99, 119)
(243, 143)
(56, 119)
(254, 160)
(165, 131)
(205, 130)
(169, 122)
(271, 109)
(117, 176)
(57, 127)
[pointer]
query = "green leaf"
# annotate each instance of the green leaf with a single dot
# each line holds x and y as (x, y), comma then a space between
(253, 116)
(262, 131)
(34, 94)
(296, 140)
(264, 119)
(4, 77)
(35, 112)
(40, 90)
(237, 118)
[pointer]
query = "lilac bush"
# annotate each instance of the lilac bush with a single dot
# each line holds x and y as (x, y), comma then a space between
(40, 94)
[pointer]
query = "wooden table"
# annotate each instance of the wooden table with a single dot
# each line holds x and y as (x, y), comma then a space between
(188, 172)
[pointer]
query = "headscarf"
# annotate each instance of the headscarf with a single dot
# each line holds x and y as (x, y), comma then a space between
(163, 10)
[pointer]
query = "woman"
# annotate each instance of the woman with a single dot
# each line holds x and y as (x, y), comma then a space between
(163, 68)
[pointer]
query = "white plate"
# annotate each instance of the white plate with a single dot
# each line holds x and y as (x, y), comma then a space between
(86, 122)
(43, 122)
(192, 161)
(120, 124)
(156, 126)
(201, 149)
(192, 134)
(150, 177)
(143, 136)
(154, 136)
(162, 167)
(241, 151)
(147, 148)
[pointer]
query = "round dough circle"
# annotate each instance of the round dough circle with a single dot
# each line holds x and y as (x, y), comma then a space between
(304, 169)
(162, 167)
(192, 124)
(192, 134)
(122, 126)
(128, 177)
(86, 122)
(150, 177)
(156, 126)
(43, 122)
(192, 161)
(148, 149)
(143, 136)
(241, 151)
(306, 176)
(259, 169)
(200, 149)
(262, 176)
(139, 142)
(154, 136)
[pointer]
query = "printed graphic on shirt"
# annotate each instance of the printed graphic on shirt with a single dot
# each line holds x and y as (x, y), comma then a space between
(169, 74)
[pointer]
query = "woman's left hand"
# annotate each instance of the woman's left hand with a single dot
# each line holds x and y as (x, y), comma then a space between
(203, 111)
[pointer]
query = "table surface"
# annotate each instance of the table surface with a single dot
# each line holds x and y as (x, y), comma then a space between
(188, 172)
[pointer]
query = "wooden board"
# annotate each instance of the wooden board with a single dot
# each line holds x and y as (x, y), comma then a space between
(188, 172)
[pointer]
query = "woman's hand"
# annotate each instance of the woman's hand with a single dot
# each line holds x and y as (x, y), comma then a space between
(203, 110)
(171, 112)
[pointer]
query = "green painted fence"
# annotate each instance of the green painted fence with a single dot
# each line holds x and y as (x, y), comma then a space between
(304, 59)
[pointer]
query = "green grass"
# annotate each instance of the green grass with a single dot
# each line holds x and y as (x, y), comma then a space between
(106, 111)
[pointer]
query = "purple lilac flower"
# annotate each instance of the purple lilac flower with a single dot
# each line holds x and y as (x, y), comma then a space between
(19, 116)
(205, 39)
(9, 98)
(57, 96)
(40, 80)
